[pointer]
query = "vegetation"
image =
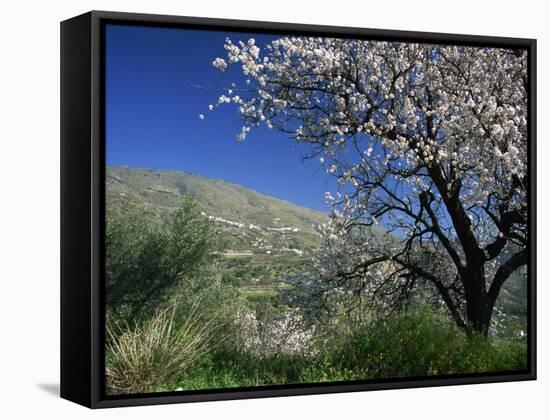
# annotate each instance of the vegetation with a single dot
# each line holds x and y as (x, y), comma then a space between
(419, 269)
(152, 354)
(163, 191)
(417, 344)
(147, 262)
(188, 326)
(166, 301)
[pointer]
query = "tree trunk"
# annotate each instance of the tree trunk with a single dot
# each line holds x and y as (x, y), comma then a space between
(478, 308)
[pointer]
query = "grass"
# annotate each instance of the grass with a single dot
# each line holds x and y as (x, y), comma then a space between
(150, 355)
(416, 344)
(164, 354)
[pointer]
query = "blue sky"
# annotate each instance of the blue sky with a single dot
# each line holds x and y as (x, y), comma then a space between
(153, 107)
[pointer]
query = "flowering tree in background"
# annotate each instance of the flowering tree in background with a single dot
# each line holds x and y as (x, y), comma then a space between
(429, 142)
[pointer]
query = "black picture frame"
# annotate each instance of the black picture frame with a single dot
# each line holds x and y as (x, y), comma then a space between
(82, 208)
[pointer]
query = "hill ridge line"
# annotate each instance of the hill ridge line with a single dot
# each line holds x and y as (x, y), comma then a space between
(228, 183)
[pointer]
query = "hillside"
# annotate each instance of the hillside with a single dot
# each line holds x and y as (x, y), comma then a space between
(224, 199)
(267, 238)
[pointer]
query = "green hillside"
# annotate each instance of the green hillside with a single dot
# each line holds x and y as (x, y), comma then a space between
(229, 202)
(217, 197)
(267, 239)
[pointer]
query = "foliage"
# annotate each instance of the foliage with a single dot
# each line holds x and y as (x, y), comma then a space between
(147, 261)
(420, 344)
(415, 344)
(144, 358)
(264, 268)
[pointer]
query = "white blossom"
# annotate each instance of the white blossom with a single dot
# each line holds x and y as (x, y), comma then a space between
(407, 128)
(220, 64)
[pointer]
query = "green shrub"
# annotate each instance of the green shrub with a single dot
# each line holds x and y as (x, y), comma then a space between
(148, 261)
(421, 344)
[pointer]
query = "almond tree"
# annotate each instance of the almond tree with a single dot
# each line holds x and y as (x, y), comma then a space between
(427, 141)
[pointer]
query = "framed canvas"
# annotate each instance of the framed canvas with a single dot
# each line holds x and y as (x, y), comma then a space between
(253, 209)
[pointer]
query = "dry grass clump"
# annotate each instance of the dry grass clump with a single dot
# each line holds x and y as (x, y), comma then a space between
(153, 353)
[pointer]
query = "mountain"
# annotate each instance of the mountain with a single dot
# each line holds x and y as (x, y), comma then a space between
(251, 222)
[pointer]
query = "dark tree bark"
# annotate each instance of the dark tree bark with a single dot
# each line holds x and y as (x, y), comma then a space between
(477, 308)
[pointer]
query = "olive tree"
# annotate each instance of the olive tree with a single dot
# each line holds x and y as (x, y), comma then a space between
(148, 262)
